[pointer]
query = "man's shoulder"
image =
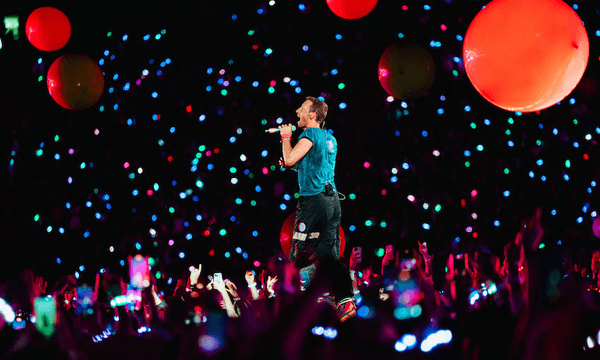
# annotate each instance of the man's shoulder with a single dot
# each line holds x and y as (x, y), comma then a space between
(310, 133)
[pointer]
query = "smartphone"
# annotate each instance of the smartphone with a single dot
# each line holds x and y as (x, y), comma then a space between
(408, 264)
(85, 300)
(139, 271)
(358, 254)
(389, 248)
(134, 298)
(218, 276)
(45, 315)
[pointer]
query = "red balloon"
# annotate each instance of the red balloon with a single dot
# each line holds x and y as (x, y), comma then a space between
(525, 55)
(287, 232)
(75, 81)
(48, 29)
(596, 227)
(406, 71)
(351, 9)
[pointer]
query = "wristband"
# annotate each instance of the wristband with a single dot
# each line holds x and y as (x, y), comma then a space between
(286, 137)
(252, 285)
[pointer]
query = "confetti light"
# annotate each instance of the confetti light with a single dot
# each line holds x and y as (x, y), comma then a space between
(182, 140)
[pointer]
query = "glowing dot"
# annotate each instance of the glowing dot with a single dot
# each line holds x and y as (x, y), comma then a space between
(367, 165)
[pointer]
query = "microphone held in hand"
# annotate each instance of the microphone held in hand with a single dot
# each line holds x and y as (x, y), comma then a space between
(276, 130)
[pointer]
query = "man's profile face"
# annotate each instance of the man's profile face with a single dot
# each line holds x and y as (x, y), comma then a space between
(304, 113)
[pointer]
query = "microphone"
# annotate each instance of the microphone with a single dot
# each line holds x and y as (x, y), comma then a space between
(276, 130)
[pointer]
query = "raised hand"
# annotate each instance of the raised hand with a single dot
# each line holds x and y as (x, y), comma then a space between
(423, 249)
(271, 282)
(195, 274)
(219, 284)
(39, 286)
(388, 257)
(231, 288)
(353, 264)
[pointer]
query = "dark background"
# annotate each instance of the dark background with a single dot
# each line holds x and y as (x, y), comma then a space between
(201, 35)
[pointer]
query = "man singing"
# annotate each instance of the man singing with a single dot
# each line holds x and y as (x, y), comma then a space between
(318, 213)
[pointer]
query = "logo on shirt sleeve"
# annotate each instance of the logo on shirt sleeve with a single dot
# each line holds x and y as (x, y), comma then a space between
(330, 144)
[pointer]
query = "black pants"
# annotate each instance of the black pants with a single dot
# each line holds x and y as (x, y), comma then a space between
(317, 228)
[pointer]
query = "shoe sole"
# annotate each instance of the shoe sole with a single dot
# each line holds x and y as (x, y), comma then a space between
(348, 315)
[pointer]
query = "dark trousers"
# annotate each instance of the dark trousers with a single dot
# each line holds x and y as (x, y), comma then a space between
(317, 229)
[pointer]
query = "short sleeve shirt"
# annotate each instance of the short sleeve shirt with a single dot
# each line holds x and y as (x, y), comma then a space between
(317, 167)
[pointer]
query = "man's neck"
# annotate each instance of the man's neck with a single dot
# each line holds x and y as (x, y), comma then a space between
(313, 124)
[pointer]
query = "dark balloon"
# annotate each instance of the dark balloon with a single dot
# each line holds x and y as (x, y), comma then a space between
(75, 81)
(406, 71)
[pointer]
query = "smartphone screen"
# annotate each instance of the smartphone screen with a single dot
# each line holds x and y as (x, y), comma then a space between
(139, 272)
(358, 253)
(45, 314)
(84, 300)
(218, 276)
(134, 298)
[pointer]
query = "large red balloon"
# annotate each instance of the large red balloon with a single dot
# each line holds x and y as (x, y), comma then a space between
(351, 9)
(48, 29)
(287, 231)
(525, 55)
(75, 81)
(406, 71)
(596, 227)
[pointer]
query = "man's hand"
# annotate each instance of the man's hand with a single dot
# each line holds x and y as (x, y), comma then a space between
(285, 129)
(195, 274)
(282, 164)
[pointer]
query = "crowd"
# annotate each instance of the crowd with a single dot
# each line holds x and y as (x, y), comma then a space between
(520, 303)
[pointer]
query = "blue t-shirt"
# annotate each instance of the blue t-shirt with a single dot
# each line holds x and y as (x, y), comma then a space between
(317, 167)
